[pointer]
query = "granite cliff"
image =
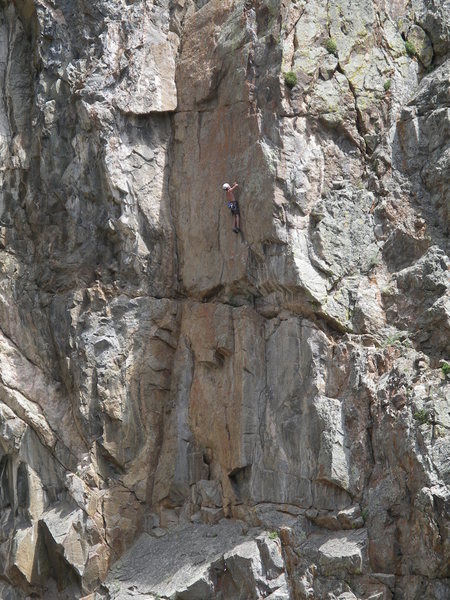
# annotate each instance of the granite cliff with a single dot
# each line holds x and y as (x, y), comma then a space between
(192, 414)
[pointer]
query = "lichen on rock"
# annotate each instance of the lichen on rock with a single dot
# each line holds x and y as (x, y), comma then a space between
(188, 412)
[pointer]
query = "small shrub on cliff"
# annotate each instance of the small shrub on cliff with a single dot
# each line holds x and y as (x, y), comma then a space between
(393, 340)
(374, 261)
(422, 416)
(445, 368)
(387, 85)
(410, 48)
(290, 79)
(272, 535)
(331, 46)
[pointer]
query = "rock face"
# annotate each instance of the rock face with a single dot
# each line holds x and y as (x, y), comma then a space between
(210, 562)
(188, 413)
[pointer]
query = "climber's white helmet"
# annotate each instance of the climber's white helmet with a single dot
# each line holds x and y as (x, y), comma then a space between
(226, 186)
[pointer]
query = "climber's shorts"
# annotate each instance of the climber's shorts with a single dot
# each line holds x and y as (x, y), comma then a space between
(234, 207)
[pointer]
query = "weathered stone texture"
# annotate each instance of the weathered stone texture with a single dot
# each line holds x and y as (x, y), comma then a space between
(188, 413)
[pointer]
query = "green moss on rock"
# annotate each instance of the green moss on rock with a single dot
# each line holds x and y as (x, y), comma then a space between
(331, 46)
(290, 79)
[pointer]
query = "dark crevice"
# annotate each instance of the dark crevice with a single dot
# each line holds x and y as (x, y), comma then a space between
(359, 121)
(240, 483)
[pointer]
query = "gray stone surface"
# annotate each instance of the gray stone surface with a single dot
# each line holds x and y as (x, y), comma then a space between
(167, 386)
(208, 561)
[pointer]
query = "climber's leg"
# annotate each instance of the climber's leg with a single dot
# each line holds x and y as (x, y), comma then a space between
(236, 214)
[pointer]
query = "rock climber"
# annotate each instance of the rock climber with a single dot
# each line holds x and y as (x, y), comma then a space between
(233, 204)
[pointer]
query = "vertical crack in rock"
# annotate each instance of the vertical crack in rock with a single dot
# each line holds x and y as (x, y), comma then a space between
(187, 412)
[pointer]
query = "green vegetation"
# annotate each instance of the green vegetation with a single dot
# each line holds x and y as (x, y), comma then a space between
(364, 514)
(331, 46)
(374, 260)
(398, 339)
(393, 340)
(445, 368)
(387, 85)
(290, 79)
(273, 535)
(422, 416)
(410, 48)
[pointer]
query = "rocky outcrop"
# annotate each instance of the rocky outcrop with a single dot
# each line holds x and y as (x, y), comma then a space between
(210, 561)
(190, 413)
